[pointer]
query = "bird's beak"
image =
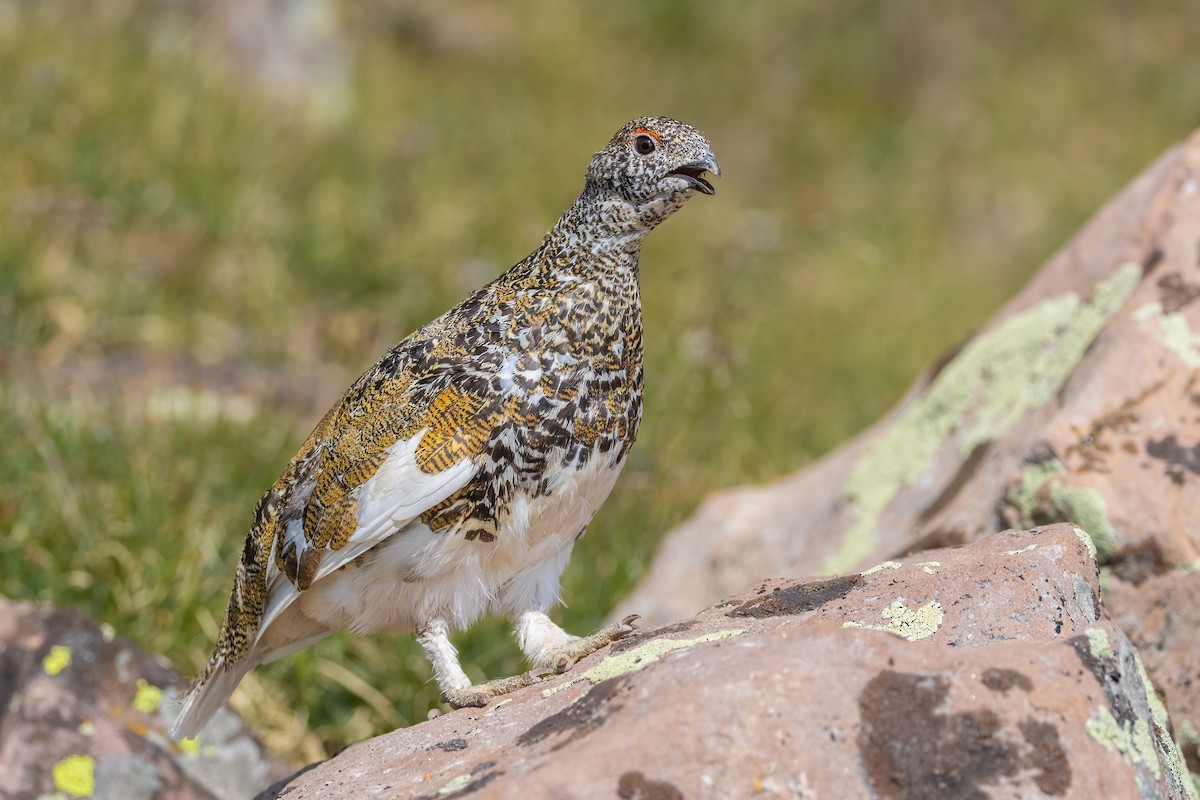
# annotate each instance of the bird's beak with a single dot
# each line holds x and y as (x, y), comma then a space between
(693, 173)
(711, 165)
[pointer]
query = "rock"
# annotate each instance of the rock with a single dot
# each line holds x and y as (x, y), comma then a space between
(83, 714)
(1161, 616)
(986, 670)
(1079, 401)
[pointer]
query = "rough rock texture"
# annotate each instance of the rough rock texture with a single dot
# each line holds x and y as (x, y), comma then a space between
(983, 671)
(1079, 401)
(1161, 616)
(82, 715)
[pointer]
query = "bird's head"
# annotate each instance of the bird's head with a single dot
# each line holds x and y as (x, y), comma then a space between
(653, 165)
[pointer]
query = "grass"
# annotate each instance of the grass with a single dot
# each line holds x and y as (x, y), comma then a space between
(190, 274)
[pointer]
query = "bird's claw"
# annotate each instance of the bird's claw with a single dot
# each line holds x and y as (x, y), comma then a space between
(481, 694)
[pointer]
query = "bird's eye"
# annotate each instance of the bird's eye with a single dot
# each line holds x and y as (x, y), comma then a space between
(645, 144)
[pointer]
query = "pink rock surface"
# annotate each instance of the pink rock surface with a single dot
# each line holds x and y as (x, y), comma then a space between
(983, 671)
(1079, 401)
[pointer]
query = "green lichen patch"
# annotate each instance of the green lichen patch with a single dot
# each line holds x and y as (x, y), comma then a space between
(76, 775)
(58, 659)
(638, 658)
(1098, 643)
(1024, 496)
(455, 783)
(1083, 506)
(994, 381)
(907, 623)
(1088, 542)
(1087, 509)
(882, 567)
(1157, 709)
(1132, 741)
(1022, 550)
(1173, 331)
(1174, 759)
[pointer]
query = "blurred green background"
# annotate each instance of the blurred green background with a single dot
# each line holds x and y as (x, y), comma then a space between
(199, 250)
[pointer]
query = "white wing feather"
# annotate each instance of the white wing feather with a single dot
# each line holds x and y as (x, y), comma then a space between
(398, 492)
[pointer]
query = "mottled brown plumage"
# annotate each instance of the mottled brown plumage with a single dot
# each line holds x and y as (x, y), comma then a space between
(454, 475)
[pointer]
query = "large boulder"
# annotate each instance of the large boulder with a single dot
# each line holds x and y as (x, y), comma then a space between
(1079, 401)
(987, 670)
(83, 713)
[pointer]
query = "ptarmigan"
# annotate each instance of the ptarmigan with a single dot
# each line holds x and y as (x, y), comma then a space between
(455, 476)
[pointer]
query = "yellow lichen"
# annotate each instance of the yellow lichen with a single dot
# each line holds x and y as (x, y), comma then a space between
(913, 624)
(148, 697)
(58, 659)
(76, 775)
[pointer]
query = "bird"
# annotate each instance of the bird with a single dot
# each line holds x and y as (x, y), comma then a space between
(455, 475)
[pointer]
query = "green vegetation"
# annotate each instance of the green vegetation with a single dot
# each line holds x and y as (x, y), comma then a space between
(190, 274)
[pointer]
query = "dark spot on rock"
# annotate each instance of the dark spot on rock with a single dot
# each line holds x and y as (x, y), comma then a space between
(1137, 562)
(636, 786)
(580, 718)
(1047, 756)
(966, 471)
(629, 642)
(1152, 260)
(450, 746)
(1175, 293)
(10, 678)
(1191, 754)
(934, 540)
(1001, 680)
(797, 599)
(1039, 453)
(1123, 696)
(912, 748)
(1177, 457)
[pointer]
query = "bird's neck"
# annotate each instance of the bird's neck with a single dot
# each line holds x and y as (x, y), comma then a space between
(601, 225)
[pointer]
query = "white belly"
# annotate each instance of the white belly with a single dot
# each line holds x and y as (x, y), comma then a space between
(417, 575)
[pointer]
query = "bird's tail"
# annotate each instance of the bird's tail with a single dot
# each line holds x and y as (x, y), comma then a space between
(208, 693)
(218, 680)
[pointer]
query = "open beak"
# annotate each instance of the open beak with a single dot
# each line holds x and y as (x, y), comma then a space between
(694, 173)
